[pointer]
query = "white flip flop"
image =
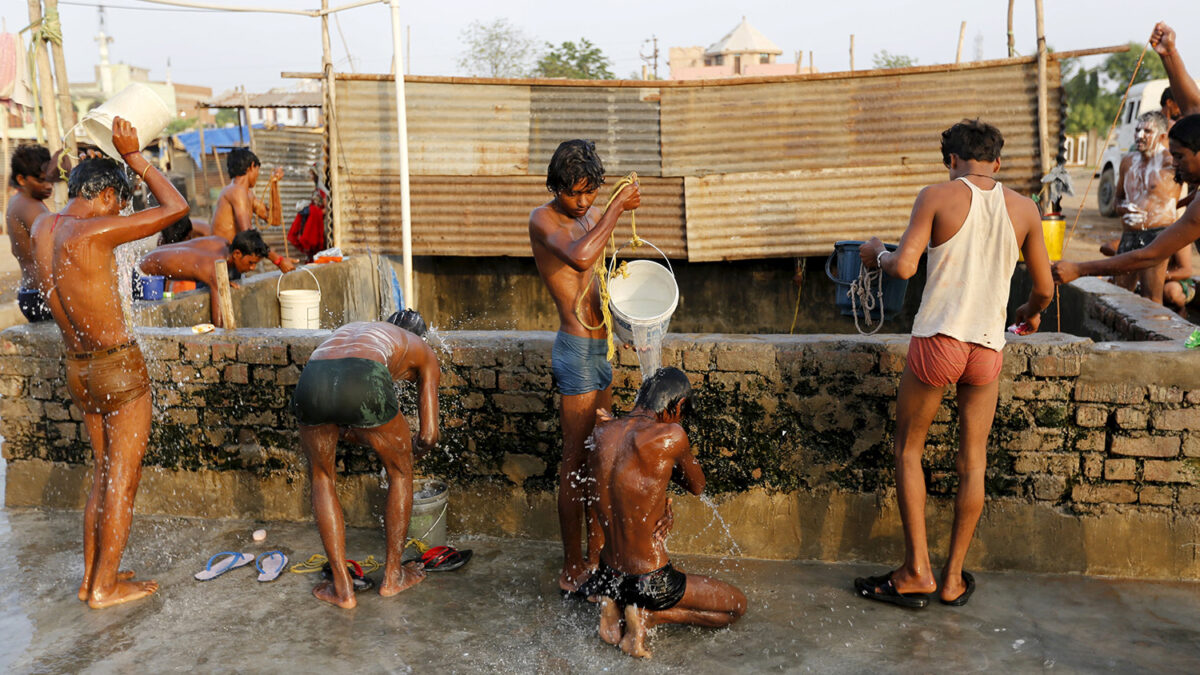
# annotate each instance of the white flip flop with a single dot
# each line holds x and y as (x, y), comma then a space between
(234, 560)
(270, 565)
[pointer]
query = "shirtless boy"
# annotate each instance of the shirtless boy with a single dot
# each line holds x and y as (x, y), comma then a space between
(568, 236)
(972, 227)
(633, 459)
(1146, 194)
(346, 392)
(28, 177)
(106, 374)
(193, 260)
(237, 202)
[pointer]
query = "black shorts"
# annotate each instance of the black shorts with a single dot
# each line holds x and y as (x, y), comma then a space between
(655, 591)
(350, 392)
(1132, 240)
(30, 302)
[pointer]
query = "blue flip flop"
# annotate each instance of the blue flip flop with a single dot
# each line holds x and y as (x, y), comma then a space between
(270, 565)
(233, 560)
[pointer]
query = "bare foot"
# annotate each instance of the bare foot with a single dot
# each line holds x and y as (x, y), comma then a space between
(574, 576)
(409, 575)
(634, 641)
(123, 575)
(906, 582)
(123, 591)
(610, 621)
(325, 591)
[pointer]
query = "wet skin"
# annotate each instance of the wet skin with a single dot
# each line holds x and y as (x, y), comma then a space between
(193, 260)
(633, 460)
(1146, 181)
(407, 357)
(938, 214)
(75, 272)
(25, 206)
(235, 206)
(568, 236)
(1181, 233)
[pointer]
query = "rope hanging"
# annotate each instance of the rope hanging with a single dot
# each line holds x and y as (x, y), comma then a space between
(600, 268)
(860, 295)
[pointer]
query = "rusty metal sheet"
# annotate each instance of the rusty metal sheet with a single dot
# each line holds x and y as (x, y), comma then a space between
(799, 213)
(889, 120)
(623, 123)
(489, 215)
(295, 151)
(453, 129)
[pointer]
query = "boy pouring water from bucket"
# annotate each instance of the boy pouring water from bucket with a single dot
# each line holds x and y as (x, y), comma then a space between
(568, 235)
(972, 227)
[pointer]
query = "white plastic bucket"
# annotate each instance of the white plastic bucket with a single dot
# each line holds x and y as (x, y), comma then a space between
(646, 298)
(299, 308)
(430, 503)
(140, 106)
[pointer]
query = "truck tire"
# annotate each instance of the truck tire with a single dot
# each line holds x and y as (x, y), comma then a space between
(1106, 194)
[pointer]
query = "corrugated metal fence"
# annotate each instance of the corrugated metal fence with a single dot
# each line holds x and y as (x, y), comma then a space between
(752, 168)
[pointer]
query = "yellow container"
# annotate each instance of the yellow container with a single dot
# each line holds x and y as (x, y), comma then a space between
(1054, 231)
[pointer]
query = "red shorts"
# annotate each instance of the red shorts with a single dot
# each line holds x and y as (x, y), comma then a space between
(941, 360)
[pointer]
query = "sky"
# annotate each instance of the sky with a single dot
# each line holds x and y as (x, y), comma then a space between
(224, 50)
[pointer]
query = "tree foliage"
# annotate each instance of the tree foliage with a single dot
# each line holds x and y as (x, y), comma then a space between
(883, 59)
(584, 61)
(1093, 94)
(496, 49)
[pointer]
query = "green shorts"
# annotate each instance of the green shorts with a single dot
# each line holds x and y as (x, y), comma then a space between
(350, 392)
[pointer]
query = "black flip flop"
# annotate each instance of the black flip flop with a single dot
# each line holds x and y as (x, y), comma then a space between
(887, 592)
(361, 581)
(961, 600)
(445, 558)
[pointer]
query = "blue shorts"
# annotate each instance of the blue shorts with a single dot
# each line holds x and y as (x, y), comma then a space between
(580, 364)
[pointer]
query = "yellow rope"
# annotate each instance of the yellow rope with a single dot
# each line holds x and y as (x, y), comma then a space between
(796, 312)
(316, 561)
(600, 270)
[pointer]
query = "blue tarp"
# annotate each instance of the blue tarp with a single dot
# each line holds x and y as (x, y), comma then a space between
(222, 139)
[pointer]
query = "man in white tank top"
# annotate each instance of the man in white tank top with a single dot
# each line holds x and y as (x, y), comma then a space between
(972, 227)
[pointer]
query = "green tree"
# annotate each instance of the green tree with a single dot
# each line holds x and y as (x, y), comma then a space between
(1119, 67)
(1089, 105)
(883, 59)
(227, 116)
(584, 61)
(180, 124)
(496, 49)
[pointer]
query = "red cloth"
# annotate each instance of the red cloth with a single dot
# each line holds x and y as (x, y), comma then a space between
(307, 232)
(941, 360)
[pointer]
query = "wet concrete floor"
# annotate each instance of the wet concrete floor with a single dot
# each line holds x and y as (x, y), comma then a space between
(502, 613)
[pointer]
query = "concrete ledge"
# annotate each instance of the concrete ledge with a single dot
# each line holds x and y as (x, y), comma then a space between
(828, 526)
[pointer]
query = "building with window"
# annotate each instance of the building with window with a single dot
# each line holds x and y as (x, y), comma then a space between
(744, 51)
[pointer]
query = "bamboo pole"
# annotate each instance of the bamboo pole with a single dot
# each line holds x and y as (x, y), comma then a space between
(66, 109)
(962, 31)
(852, 52)
(1042, 103)
(410, 300)
(224, 297)
(204, 170)
(333, 209)
(45, 84)
(246, 110)
(1011, 47)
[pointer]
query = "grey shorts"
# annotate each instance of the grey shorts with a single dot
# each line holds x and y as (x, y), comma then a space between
(580, 364)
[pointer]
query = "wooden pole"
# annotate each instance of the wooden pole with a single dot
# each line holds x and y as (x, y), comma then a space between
(1011, 48)
(410, 295)
(45, 84)
(246, 110)
(65, 108)
(204, 170)
(1042, 104)
(852, 52)
(224, 298)
(333, 210)
(220, 171)
(812, 67)
(4, 156)
(962, 31)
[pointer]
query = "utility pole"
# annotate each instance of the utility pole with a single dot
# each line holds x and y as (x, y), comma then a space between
(1043, 123)
(651, 59)
(45, 82)
(333, 211)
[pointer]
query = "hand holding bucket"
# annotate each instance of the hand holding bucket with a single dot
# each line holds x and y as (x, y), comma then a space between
(645, 296)
(145, 111)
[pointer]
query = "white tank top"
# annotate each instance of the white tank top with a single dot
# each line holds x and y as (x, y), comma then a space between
(967, 280)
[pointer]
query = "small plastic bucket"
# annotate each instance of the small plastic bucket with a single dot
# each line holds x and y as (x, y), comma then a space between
(646, 297)
(848, 264)
(148, 287)
(431, 500)
(138, 104)
(299, 308)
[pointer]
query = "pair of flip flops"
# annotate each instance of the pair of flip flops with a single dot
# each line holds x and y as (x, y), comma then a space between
(269, 565)
(359, 578)
(444, 558)
(883, 589)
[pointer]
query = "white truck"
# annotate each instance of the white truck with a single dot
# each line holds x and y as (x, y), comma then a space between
(1143, 98)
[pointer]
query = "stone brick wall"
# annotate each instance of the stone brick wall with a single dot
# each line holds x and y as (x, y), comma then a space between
(1080, 427)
